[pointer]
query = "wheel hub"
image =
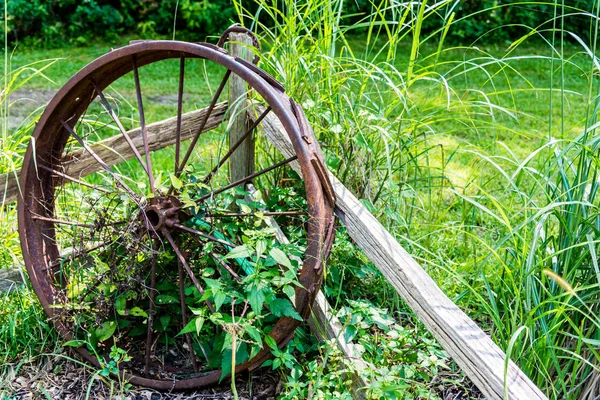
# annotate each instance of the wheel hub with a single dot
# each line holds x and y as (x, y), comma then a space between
(162, 214)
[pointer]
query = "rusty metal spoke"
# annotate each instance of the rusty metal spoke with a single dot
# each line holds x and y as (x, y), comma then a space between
(74, 180)
(58, 221)
(187, 268)
(184, 317)
(117, 121)
(138, 93)
(98, 159)
(203, 123)
(204, 235)
(179, 113)
(247, 178)
(78, 254)
(151, 309)
(236, 145)
(218, 260)
(265, 213)
(226, 266)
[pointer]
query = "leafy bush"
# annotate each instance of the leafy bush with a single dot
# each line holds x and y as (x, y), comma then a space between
(52, 23)
(490, 21)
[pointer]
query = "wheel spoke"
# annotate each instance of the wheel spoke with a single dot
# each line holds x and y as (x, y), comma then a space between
(70, 178)
(75, 223)
(247, 178)
(97, 158)
(184, 318)
(58, 221)
(151, 309)
(226, 266)
(187, 268)
(115, 118)
(236, 145)
(265, 213)
(80, 253)
(218, 259)
(204, 235)
(201, 127)
(138, 92)
(179, 113)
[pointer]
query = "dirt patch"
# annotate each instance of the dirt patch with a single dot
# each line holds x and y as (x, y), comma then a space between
(24, 102)
(57, 377)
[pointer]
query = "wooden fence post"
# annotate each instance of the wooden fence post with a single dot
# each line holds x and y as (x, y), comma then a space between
(241, 163)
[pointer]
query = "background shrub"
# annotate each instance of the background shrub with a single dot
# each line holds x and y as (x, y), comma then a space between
(53, 23)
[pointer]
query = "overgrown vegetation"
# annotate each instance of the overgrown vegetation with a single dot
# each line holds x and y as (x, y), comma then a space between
(482, 160)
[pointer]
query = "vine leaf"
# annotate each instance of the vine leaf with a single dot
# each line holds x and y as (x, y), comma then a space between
(254, 334)
(284, 307)
(74, 343)
(280, 257)
(195, 325)
(271, 342)
(256, 296)
(239, 252)
(106, 330)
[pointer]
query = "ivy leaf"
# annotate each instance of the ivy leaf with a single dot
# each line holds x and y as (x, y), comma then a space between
(106, 330)
(261, 246)
(241, 355)
(216, 288)
(164, 321)
(239, 252)
(280, 257)
(120, 305)
(225, 363)
(213, 284)
(254, 350)
(290, 292)
(220, 298)
(284, 307)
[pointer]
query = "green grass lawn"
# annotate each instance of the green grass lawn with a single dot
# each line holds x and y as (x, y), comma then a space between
(517, 84)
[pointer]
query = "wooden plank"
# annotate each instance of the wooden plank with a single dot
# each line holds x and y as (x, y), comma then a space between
(241, 163)
(324, 324)
(472, 349)
(115, 149)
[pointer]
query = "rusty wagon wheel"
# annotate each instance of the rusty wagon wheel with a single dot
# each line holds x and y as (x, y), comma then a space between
(128, 220)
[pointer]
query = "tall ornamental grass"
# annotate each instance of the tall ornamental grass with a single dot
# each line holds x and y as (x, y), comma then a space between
(486, 171)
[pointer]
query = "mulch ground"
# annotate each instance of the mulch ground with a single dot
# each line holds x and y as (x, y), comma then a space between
(60, 378)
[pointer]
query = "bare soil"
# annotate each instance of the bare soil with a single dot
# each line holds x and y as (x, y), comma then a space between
(25, 102)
